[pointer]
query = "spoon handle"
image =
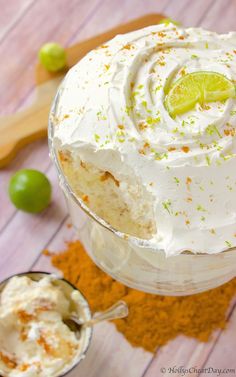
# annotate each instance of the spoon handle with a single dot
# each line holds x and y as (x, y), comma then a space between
(118, 310)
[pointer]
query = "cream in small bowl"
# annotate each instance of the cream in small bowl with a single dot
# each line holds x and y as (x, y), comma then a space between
(34, 339)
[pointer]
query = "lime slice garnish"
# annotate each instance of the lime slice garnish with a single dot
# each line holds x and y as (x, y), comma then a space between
(198, 87)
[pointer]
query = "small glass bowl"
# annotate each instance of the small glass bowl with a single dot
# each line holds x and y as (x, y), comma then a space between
(131, 260)
(85, 313)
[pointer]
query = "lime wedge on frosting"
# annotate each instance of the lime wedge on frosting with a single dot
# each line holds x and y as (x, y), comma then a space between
(197, 87)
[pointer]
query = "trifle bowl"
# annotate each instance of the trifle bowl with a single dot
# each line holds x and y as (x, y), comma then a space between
(142, 133)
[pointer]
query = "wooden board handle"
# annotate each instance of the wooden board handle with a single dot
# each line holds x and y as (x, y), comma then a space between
(31, 124)
(21, 128)
(77, 51)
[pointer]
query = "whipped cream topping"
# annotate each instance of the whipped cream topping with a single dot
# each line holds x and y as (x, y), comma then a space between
(111, 113)
(34, 340)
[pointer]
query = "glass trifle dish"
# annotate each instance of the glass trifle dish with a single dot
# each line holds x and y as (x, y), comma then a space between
(142, 132)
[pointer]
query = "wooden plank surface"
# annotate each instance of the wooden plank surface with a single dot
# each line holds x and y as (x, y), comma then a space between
(19, 129)
(24, 26)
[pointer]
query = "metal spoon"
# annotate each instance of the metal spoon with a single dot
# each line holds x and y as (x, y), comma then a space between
(118, 310)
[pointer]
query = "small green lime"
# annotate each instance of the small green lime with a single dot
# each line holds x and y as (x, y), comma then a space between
(167, 21)
(52, 56)
(30, 190)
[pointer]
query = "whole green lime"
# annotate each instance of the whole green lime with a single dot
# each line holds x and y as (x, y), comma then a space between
(167, 21)
(30, 190)
(52, 56)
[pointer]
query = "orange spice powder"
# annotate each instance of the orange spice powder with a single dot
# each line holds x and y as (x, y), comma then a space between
(153, 320)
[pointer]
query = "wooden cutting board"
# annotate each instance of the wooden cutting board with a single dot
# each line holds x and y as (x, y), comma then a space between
(21, 128)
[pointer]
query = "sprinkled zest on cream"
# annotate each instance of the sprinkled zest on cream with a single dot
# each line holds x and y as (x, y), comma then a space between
(187, 158)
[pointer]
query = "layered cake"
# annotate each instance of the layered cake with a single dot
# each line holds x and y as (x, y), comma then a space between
(145, 135)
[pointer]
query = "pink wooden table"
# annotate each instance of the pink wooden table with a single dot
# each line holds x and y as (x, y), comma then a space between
(24, 26)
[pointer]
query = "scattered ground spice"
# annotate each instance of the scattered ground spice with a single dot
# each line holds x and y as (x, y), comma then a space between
(171, 149)
(24, 317)
(153, 320)
(185, 149)
(10, 363)
(108, 175)
(47, 253)
(128, 46)
(42, 342)
(24, 367)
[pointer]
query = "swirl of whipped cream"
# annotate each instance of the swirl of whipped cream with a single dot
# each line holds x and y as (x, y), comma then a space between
(111, 111)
